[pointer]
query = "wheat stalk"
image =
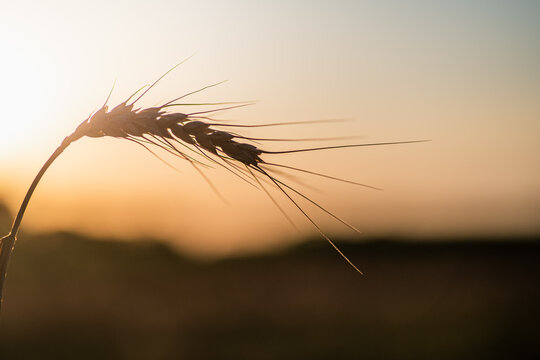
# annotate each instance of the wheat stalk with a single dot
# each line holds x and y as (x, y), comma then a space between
(200, 139)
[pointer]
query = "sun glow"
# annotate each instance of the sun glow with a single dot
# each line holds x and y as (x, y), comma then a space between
(399, 74)
(25, 90)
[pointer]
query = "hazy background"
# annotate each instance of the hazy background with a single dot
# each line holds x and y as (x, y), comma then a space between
(71, 297)
(462, 73)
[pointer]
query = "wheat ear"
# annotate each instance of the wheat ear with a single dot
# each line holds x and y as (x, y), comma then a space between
(200, 143)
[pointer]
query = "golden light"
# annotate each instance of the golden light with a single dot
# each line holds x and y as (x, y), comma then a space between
(20, 80)
(477, 103)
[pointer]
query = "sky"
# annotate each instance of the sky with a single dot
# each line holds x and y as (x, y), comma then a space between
(463, 74)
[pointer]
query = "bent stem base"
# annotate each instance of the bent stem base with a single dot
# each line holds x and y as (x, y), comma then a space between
(8, 241)
(7, 244)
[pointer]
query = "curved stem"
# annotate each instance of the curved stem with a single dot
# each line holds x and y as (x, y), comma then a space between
(7, 243)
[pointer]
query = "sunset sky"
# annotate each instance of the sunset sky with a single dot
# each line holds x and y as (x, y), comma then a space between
(464, 74)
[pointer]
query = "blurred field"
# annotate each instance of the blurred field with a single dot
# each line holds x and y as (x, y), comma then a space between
(70, 297)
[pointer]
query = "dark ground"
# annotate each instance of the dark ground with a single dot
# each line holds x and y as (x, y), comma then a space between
(69, 297)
